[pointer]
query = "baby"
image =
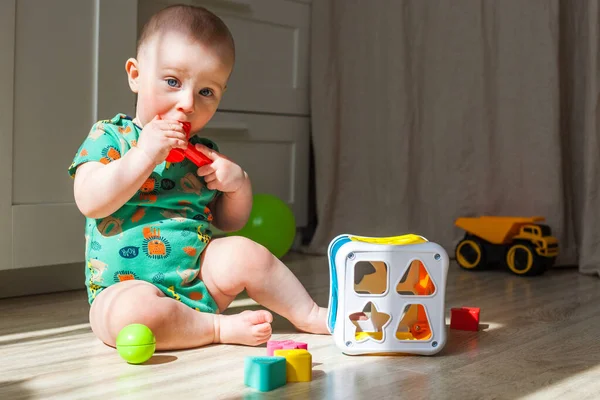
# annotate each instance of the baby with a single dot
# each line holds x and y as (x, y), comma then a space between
(150, 254)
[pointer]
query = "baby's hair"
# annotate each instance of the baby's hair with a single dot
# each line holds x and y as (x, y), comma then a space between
(194, 21)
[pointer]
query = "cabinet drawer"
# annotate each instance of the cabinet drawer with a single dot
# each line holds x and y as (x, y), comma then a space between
(274, 150)
(272, 52)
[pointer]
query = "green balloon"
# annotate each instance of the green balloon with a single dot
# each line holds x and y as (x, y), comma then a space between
(136, 343)
(271, 224)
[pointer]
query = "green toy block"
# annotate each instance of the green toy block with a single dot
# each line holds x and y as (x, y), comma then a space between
(264, 373)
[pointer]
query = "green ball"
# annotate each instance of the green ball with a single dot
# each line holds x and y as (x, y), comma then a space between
(136, 343)
(271, 223)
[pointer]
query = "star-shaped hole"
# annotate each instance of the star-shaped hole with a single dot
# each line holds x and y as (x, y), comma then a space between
(369, 323)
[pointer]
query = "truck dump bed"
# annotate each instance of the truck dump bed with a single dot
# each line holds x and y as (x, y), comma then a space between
(497, 230)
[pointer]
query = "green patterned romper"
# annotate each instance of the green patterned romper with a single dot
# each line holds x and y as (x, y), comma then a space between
(158, 236)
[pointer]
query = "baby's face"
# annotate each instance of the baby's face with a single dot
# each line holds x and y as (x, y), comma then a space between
(179, 79)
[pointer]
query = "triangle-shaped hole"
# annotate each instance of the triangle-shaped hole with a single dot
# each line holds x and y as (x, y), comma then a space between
(414, 324)
(416, 281)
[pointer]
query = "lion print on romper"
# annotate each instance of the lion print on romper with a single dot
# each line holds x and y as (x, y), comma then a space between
(155, 246)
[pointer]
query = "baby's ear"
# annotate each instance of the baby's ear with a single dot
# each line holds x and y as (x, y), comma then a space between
(131, 66)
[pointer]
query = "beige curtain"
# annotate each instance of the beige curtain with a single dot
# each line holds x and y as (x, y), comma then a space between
(427, 110)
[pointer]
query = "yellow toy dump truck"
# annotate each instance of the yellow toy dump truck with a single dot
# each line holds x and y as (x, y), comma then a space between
(521, 243)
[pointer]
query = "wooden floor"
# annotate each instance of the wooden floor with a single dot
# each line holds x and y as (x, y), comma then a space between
(539, 338)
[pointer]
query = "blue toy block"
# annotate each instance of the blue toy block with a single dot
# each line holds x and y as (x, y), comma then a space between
(264, 373)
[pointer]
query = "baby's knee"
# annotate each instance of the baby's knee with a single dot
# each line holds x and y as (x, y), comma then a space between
(252, 254)
(142, 312)
(134, 303)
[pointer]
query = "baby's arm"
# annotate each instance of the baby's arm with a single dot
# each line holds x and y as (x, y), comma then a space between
(100, 189)
(232, 209)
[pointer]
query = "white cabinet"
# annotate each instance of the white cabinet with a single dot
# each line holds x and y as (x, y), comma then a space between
(61, 67)
(7, 62)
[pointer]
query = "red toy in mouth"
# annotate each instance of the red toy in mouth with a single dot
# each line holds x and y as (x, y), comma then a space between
(178, 155)
(186, 128)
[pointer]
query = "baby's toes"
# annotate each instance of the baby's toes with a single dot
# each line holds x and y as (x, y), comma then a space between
(259, 317)
(262, 331)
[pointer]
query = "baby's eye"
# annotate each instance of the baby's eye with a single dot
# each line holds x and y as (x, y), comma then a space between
(172, 82)
(206, 92)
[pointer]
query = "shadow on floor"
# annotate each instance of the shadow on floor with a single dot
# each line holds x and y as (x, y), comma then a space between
(16, 390)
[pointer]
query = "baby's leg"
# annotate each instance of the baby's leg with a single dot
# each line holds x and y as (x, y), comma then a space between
(233, 264)
(175, 325)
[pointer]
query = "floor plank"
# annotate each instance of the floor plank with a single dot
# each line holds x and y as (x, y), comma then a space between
(538, 339)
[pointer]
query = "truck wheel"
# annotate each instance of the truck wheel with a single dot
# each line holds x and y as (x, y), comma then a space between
(470, 253)
(522, 259)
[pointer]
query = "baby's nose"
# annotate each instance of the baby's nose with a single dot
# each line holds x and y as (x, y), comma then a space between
(186, 102)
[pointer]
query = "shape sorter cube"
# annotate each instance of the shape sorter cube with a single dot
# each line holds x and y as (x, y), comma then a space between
(387, 294)
(298, 364)
(264, 373)
(273, 345)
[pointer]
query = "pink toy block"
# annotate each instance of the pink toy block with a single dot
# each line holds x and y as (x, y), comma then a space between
(295, 345)
(464, 318)
(273, 345)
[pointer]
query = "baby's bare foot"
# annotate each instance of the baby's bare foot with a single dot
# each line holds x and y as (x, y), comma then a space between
(248, 327)
(316, 322)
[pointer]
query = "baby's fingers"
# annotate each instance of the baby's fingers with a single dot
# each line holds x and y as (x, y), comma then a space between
(177, 143)
(211, 181)
(170, 125)
(205, 170)
(176, 139)
(210, 177)
(175, 135)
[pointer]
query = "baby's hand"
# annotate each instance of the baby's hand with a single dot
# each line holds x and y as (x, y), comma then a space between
(159, 136)
(222, 174)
